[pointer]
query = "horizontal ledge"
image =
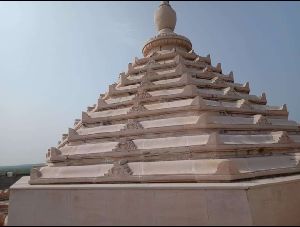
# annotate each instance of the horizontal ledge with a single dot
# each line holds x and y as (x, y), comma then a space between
(22, 184)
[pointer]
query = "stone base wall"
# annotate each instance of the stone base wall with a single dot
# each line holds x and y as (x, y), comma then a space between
(258, 202)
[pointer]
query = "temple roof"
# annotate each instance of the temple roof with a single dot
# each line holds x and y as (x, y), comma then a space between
(173, 116)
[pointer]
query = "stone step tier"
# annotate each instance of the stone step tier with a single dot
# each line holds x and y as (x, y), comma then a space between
(90, 146)
(174, 117)
(200, 170)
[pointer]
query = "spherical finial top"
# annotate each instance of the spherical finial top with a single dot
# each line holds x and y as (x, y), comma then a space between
(165, 18)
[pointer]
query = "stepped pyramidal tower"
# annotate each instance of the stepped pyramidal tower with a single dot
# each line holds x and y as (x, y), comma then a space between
(173, 116)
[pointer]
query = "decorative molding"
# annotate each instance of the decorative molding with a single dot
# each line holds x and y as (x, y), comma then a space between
(85, 117)
(120, 169)
(190, 90)
(125, 145)
(217, 69)
(246, 85)
(123, 79)
(192, 52)
(206, 118)
(142, 94)
(132, 125)
(261, 120)
(76, 122)
(208, 68)
(91, 108)
(72, 133)
(65, 136)
(101, 103)
(169, 39)
(198, 101)
(227, 167)
(146, 81)
(217, 80)
(130, 68)
(180, 69)
(179, 59)
(150, 63)
(111, 90)
(137, 107)
(284, 108)
(224, 113)
(282, 137)
(214, 139)
(208, 59)
(230, 91)
(35, 173)
(202, 59)
(186, 79)
(263, 98)
(243, 103)
(55, 155)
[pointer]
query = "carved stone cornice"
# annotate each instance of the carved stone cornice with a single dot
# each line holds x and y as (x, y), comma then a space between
(120, 169)
(132, 125)
(137, 107)
(125, 144)
(169, 39)
(142, 94)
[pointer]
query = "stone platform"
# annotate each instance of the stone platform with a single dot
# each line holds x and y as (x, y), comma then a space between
(258, 202)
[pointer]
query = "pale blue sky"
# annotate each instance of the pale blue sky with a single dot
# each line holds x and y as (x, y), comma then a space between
(57, 57)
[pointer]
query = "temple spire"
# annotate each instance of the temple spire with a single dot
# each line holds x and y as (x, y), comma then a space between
(165, 18)
(166, 39)
(165, 3)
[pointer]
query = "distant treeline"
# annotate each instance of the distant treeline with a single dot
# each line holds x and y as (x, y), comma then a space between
(17, 170)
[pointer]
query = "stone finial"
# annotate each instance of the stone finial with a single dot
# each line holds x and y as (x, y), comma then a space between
(165, 18)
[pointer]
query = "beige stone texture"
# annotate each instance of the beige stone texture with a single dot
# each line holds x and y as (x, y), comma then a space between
(258, 202)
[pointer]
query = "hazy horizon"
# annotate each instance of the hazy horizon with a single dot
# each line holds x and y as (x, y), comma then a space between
(57, 57)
